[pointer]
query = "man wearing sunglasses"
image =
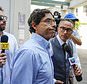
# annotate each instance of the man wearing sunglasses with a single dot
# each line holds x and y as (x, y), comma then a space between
(6, 55)
(62, 54)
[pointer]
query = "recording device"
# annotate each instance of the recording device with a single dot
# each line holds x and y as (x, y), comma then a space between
(57, 18)
(4, 43)
(72, 60)
(3, 46)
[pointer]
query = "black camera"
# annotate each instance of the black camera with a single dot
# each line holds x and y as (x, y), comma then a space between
(57, 18)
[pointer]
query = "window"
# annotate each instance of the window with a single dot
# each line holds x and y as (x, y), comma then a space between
(76, 11)
(85, 9)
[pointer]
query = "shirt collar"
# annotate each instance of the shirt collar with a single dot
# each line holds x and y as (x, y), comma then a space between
(40, 40)
(60, 41)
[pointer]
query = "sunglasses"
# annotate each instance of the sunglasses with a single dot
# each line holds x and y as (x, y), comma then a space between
(3, 17)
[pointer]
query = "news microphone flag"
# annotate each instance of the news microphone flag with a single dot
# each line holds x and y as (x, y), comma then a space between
(4, 46)
(72, 61)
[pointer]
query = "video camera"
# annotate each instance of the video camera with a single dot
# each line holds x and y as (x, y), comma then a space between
(57, 18)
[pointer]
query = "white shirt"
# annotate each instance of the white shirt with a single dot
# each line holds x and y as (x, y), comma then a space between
(6, 69)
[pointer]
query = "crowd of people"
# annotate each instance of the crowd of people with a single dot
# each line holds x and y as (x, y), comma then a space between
(49, 56)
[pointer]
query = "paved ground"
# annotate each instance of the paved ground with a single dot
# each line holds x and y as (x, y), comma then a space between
(83, 58)
(82, 51)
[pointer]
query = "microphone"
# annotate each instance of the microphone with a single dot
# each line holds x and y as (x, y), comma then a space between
(4, 45)
(72, 60)
(70, 52)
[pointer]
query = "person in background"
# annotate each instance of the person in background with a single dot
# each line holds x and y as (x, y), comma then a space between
(77, 24)
(32, 63)
(61, 57)
(6, 57)
(57, 16)
(75, 37)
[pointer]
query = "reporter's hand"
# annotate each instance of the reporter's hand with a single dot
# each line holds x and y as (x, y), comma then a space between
(59, 82)
(77, 70)
(2, 59)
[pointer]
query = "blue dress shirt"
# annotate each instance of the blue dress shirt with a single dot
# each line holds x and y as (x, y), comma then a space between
(32, 63)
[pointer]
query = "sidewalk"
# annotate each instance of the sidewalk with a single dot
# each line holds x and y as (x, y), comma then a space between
(83, 35)
(83, 58)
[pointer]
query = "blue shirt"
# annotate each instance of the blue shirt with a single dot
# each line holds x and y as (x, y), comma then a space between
(75, 33)
(32, 63)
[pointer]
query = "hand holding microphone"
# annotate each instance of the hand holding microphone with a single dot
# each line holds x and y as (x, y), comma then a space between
(3, 46)
(2, 59)
(78, 73)
(77, 70)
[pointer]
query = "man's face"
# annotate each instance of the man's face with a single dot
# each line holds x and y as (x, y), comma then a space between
(2, 21)
(65, 29)
(46, 27)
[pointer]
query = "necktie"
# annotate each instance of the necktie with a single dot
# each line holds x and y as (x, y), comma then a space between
(67, 48)
(63, 46)
(70, 49)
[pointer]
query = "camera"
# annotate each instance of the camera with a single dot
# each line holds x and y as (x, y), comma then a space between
(57, 18)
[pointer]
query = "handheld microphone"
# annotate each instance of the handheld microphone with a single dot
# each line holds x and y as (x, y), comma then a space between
(70, 52)
(4, 43)
(72, 60)
(3, 46)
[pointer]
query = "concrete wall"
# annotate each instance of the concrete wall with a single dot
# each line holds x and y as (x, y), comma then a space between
(74, 3)
(20, 16)
(18, 12)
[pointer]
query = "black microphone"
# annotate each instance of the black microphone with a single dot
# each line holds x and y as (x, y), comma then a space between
(72, 60)
(4, 43)
(68, 50)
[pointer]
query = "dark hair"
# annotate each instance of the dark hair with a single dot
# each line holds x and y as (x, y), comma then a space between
(36, 17)
(66, 20)
(1, 9)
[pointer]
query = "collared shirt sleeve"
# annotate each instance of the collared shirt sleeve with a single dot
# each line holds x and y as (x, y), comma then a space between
(30, 64)
(22, 68)
(75, 33)
(75, 54)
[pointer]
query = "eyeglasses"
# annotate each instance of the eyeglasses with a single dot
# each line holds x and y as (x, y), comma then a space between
(49, 21)
(3, 17)
(67, 29)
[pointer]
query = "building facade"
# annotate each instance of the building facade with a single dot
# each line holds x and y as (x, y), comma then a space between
(17, 12)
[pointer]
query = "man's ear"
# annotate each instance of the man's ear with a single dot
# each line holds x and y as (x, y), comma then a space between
(33, 25)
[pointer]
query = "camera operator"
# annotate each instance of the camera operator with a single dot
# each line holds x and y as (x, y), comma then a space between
(57, 18)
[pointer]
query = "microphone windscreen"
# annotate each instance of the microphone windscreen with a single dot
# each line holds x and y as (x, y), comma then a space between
(4, 38)
(4, 45)
(68, 50)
